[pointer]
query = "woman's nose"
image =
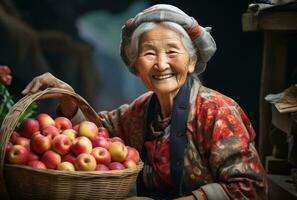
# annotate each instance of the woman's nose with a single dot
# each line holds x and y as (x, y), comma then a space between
(162, 62)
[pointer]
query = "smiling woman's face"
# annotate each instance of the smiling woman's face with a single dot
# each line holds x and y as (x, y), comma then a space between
(163, 63)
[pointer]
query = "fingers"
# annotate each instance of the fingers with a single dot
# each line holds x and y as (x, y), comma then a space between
(39, 83)
(32, 87)
(45, 81)
(28, 88)
(36, 86)
(45, 96)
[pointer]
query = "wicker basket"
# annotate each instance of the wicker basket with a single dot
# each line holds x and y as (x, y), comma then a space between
(23, 182)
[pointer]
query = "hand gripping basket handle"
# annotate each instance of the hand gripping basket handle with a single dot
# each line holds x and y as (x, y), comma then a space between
(10, 121)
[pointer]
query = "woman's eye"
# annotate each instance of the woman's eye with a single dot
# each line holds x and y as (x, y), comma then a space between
(172, 52)
(149, 53)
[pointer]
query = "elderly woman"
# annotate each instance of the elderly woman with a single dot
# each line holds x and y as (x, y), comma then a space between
(195, 142)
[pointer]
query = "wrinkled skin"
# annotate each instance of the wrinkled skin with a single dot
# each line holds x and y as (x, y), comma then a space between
(47, 80)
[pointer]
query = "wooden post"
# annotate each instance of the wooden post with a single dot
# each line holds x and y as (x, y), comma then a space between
(273, 79)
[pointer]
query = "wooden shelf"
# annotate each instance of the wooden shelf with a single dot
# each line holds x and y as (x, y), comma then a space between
(270, 21)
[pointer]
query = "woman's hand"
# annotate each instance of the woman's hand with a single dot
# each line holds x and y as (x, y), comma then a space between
(47, 80)
(44, 81)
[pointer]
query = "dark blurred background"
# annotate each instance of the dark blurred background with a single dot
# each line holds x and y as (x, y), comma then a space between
(78, 41)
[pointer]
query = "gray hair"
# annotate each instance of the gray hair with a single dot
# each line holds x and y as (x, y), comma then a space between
(132, 50)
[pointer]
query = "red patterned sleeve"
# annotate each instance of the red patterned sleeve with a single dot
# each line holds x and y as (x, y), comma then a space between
(232, 156)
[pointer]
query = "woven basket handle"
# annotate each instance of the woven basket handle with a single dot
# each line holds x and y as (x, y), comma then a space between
(10, 121)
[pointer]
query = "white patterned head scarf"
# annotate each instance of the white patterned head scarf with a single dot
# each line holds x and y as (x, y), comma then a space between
(200, 36)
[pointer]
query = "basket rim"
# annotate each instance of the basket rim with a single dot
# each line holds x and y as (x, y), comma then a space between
(81, 174)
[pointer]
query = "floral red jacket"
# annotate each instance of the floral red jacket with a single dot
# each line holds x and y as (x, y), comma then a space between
(220, 159)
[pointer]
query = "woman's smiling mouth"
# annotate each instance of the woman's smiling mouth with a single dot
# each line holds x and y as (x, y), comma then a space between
(163, 77)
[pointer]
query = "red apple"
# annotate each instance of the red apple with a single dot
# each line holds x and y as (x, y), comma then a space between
(50, 130)
(51, 159)
(34, 134)
(40, 143)
(71, 133)
(116, 139)
(129, 164)
(61, 144)
(103, 132)
(23, 141)
(63, 123)
(69, 158)
(88, 129)
(37, 164)
(101, 167)
(9, 146)
(32, 156)
(115, 166)
(45, 120)
(118, 151)
(66, 166)
(14, 136)
(100, 141)
(81, 145)
(101, 155)
(133, 154)
(28, 127)
(17, 155)
(85, 162)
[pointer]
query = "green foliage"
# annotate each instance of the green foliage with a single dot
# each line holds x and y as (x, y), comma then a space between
(6, 102)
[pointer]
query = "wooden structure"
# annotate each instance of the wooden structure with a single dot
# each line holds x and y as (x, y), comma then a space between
(277, 23)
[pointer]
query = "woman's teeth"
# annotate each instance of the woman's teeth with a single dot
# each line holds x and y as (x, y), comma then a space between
(162, 77)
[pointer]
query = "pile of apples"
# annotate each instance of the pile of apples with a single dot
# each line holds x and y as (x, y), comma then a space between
(49, 143)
